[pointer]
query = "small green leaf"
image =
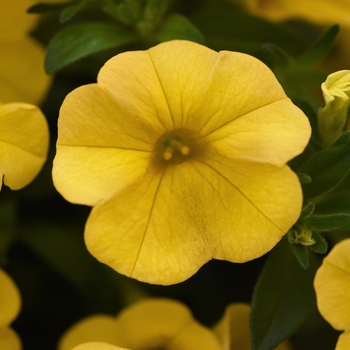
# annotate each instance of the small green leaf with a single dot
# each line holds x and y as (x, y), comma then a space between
(328, 167)
(77, 41)
(70, 11)
(308, 209)
(301, 254)
(304, 178)
(320, 47)
(177, 26)
(320, 245)
(328, 222)
(278, 55)
(155, 10)
(282, 298)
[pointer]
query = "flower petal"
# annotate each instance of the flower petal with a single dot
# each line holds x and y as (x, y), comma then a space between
(165, 227)
(22, 79)
(97, 346)
(272, 134)
(343, 341)
(328, 12)
(10, 299)
(9, 339)
(332, 285)
(97, 328)
(101, 147)
(163, 323)
(24, 139)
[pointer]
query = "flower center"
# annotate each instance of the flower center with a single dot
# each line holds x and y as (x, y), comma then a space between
(176, 147)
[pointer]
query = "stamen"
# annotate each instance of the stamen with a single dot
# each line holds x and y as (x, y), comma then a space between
(175, 146)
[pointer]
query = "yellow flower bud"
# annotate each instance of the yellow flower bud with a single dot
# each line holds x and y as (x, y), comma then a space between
(332, 118)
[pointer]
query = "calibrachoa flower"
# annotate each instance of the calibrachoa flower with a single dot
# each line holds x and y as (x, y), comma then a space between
(22, 74)
(333, 117)
(332, 285)
(24, 141)
(182, 151)
(233, 329)
(10, 304)
(148, 324)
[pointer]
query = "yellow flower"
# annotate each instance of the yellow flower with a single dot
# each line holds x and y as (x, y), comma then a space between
(149, 324)
(233, 329)
(24, 140)
(10, 304)
(315, 11)
(182, 151)
(22, 76)
(332, 118)
(332, 285)
(97, 346)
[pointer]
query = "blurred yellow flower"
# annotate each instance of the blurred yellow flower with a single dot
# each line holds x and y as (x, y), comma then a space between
(233, 329)
(149, 324)
(333, 117)
(315, 11)
(182, 151)
(22, 76)
(24, 141)
(332, 285)
(10, 304)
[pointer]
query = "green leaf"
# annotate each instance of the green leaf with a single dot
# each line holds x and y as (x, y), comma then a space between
(282, 298)
(304, 178)
(70, 11)
(301, 254)
(328, 167)
(177, 26)
(278, 55)
(320, 245)
(308, 209)
(328, 222)
(155, 10)
(77, 41)
(320, 47)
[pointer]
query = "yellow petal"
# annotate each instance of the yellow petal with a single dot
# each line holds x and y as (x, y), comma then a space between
(328, 12)
(97, 346)
(14, 20)
(343, 341)
(22, 79)
(332, 285)
(9, 340)
(163, 324)
(10, 300)
(101, 147)
(24, 143)
(165, 227)
(233, 329)
(97, 328)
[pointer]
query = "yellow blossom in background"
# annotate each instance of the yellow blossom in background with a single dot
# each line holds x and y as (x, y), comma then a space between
(233, 329)
(182, 152)
(332, 285)
(10, 304)
(149, 324)
(22, 75)
(315, 11)
(333, 117)
(24, 142)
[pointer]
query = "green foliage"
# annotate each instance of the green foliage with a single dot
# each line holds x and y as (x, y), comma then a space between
(328, 222)
(177, 26)
(282, 298)
(80, 40)
(328, 167)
